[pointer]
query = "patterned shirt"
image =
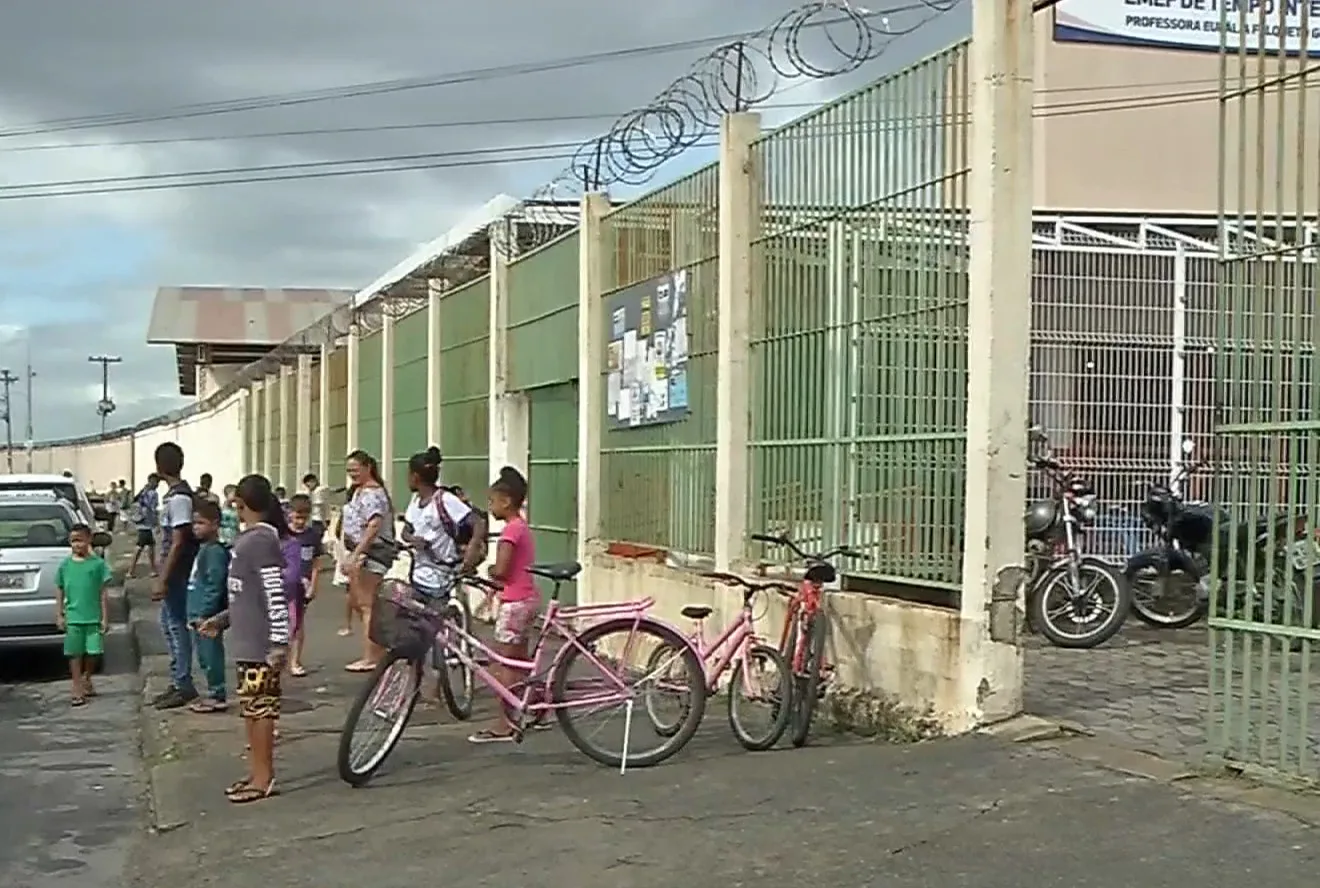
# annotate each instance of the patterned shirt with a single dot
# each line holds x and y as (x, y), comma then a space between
(367, 503)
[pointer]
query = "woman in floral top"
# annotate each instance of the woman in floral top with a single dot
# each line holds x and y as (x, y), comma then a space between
(368, 517)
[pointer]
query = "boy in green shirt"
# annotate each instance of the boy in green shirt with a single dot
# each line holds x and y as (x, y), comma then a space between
(82, 609)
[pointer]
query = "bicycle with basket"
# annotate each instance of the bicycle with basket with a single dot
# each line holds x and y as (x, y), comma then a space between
(579, 676)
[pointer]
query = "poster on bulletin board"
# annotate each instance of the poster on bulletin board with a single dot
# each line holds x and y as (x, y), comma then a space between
(647, 356)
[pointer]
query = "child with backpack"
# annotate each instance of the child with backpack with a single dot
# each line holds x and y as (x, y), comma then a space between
(446, 534)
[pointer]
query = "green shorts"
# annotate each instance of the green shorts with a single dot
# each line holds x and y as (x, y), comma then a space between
(83, 640)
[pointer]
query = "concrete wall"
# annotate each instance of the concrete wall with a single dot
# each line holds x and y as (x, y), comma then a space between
(1136, 129)
(211, 441)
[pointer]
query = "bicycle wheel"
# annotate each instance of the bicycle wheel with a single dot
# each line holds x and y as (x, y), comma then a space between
(454, 678)
(578, 680)
(806, 684)
(769, 682)
(390, 695)
(664, 662)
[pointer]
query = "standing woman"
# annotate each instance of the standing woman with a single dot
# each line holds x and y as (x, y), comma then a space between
(368, 519)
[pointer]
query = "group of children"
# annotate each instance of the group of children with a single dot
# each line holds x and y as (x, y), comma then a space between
(254, 585)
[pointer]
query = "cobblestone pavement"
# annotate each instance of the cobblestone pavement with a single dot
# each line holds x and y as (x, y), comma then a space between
(1151, 689)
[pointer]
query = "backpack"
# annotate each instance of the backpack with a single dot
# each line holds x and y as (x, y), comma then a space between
(460, 532)
(138, 515)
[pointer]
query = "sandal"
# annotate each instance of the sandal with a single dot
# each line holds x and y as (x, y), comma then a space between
(298, 671)
(237, 786)
(250, 793)
(207, 707)
(360, 666)
(490, 737)
(344, 632)
(78, 701)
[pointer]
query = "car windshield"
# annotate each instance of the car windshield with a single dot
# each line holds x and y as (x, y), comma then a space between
(66, 492)
(27, 525)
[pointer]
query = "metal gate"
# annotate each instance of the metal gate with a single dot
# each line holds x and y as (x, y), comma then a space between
(552, 475)
(1262, 633)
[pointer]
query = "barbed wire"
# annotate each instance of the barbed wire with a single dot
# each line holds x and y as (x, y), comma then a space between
(731, 78)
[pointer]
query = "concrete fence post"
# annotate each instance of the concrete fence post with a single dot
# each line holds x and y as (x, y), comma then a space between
(351, 390)
(999, 320)
(740, 189)
(591, 385)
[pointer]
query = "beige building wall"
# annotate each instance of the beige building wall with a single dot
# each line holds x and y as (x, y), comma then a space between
(1133, 129)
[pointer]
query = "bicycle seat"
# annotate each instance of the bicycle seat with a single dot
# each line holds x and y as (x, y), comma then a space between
(560, 572)
(697, 611)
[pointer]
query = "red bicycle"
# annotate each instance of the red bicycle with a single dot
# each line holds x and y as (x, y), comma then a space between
(806, 626)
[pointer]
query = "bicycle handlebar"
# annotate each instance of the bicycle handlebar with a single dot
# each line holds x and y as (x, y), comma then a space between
(783, 540)
(751, 585)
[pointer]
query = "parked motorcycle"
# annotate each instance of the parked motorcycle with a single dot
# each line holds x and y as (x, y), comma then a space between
(1074, 600)
(1171, 581)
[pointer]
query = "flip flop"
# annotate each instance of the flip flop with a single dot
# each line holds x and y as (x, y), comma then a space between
(344, 632)
(78, 701)
(237, 786)
(298, 672)
(251, 793)
(207, 707)
(489, 737)
(359, 666)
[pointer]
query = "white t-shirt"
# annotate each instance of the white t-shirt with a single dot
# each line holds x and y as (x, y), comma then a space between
(431, 562)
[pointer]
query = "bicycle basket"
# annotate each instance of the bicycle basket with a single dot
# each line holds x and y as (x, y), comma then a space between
(399, 629)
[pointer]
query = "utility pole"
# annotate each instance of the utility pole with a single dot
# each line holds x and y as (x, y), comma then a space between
(7, 379)
(105, 406)
(30, 441)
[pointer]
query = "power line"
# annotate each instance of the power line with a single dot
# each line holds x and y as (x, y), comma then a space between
(522, 121)
(482, 156)
(403, 84)
(7, 379)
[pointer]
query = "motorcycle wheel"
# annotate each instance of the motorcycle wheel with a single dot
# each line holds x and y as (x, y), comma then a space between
(1107, 583)
(1152, 567)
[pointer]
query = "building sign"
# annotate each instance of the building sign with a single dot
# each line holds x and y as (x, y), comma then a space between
(647, 355)
(1189, 24)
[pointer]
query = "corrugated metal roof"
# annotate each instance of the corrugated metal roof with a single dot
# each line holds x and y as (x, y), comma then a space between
(237, 315)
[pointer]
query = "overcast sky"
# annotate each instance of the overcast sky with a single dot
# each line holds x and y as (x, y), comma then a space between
(78, 274)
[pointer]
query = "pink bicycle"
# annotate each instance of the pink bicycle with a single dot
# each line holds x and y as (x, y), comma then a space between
(760, 673)
(587, 675)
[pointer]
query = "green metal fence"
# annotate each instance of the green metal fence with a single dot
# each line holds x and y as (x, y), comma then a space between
(859, 324)
(368, 398)
(337, 445)
(542, 315)
(543, 362)
(409, 407)
(1263, 616)
(249, 426)
(465, 384)
(275, 444)
(658, 482)
(314, 419)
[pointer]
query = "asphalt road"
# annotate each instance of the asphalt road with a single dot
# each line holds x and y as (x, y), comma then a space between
(70, 779)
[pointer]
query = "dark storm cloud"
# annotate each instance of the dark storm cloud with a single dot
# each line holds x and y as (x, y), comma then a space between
(74, 58)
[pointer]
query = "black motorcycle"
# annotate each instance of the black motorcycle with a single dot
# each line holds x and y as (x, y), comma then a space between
(1074, 600)
(1170, 581)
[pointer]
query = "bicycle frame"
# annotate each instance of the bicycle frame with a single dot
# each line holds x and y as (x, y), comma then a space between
(731, 646)
(556, 624)
(801, 606)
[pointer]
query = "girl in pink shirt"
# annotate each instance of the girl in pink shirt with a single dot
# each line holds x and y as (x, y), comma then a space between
(518, 602)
